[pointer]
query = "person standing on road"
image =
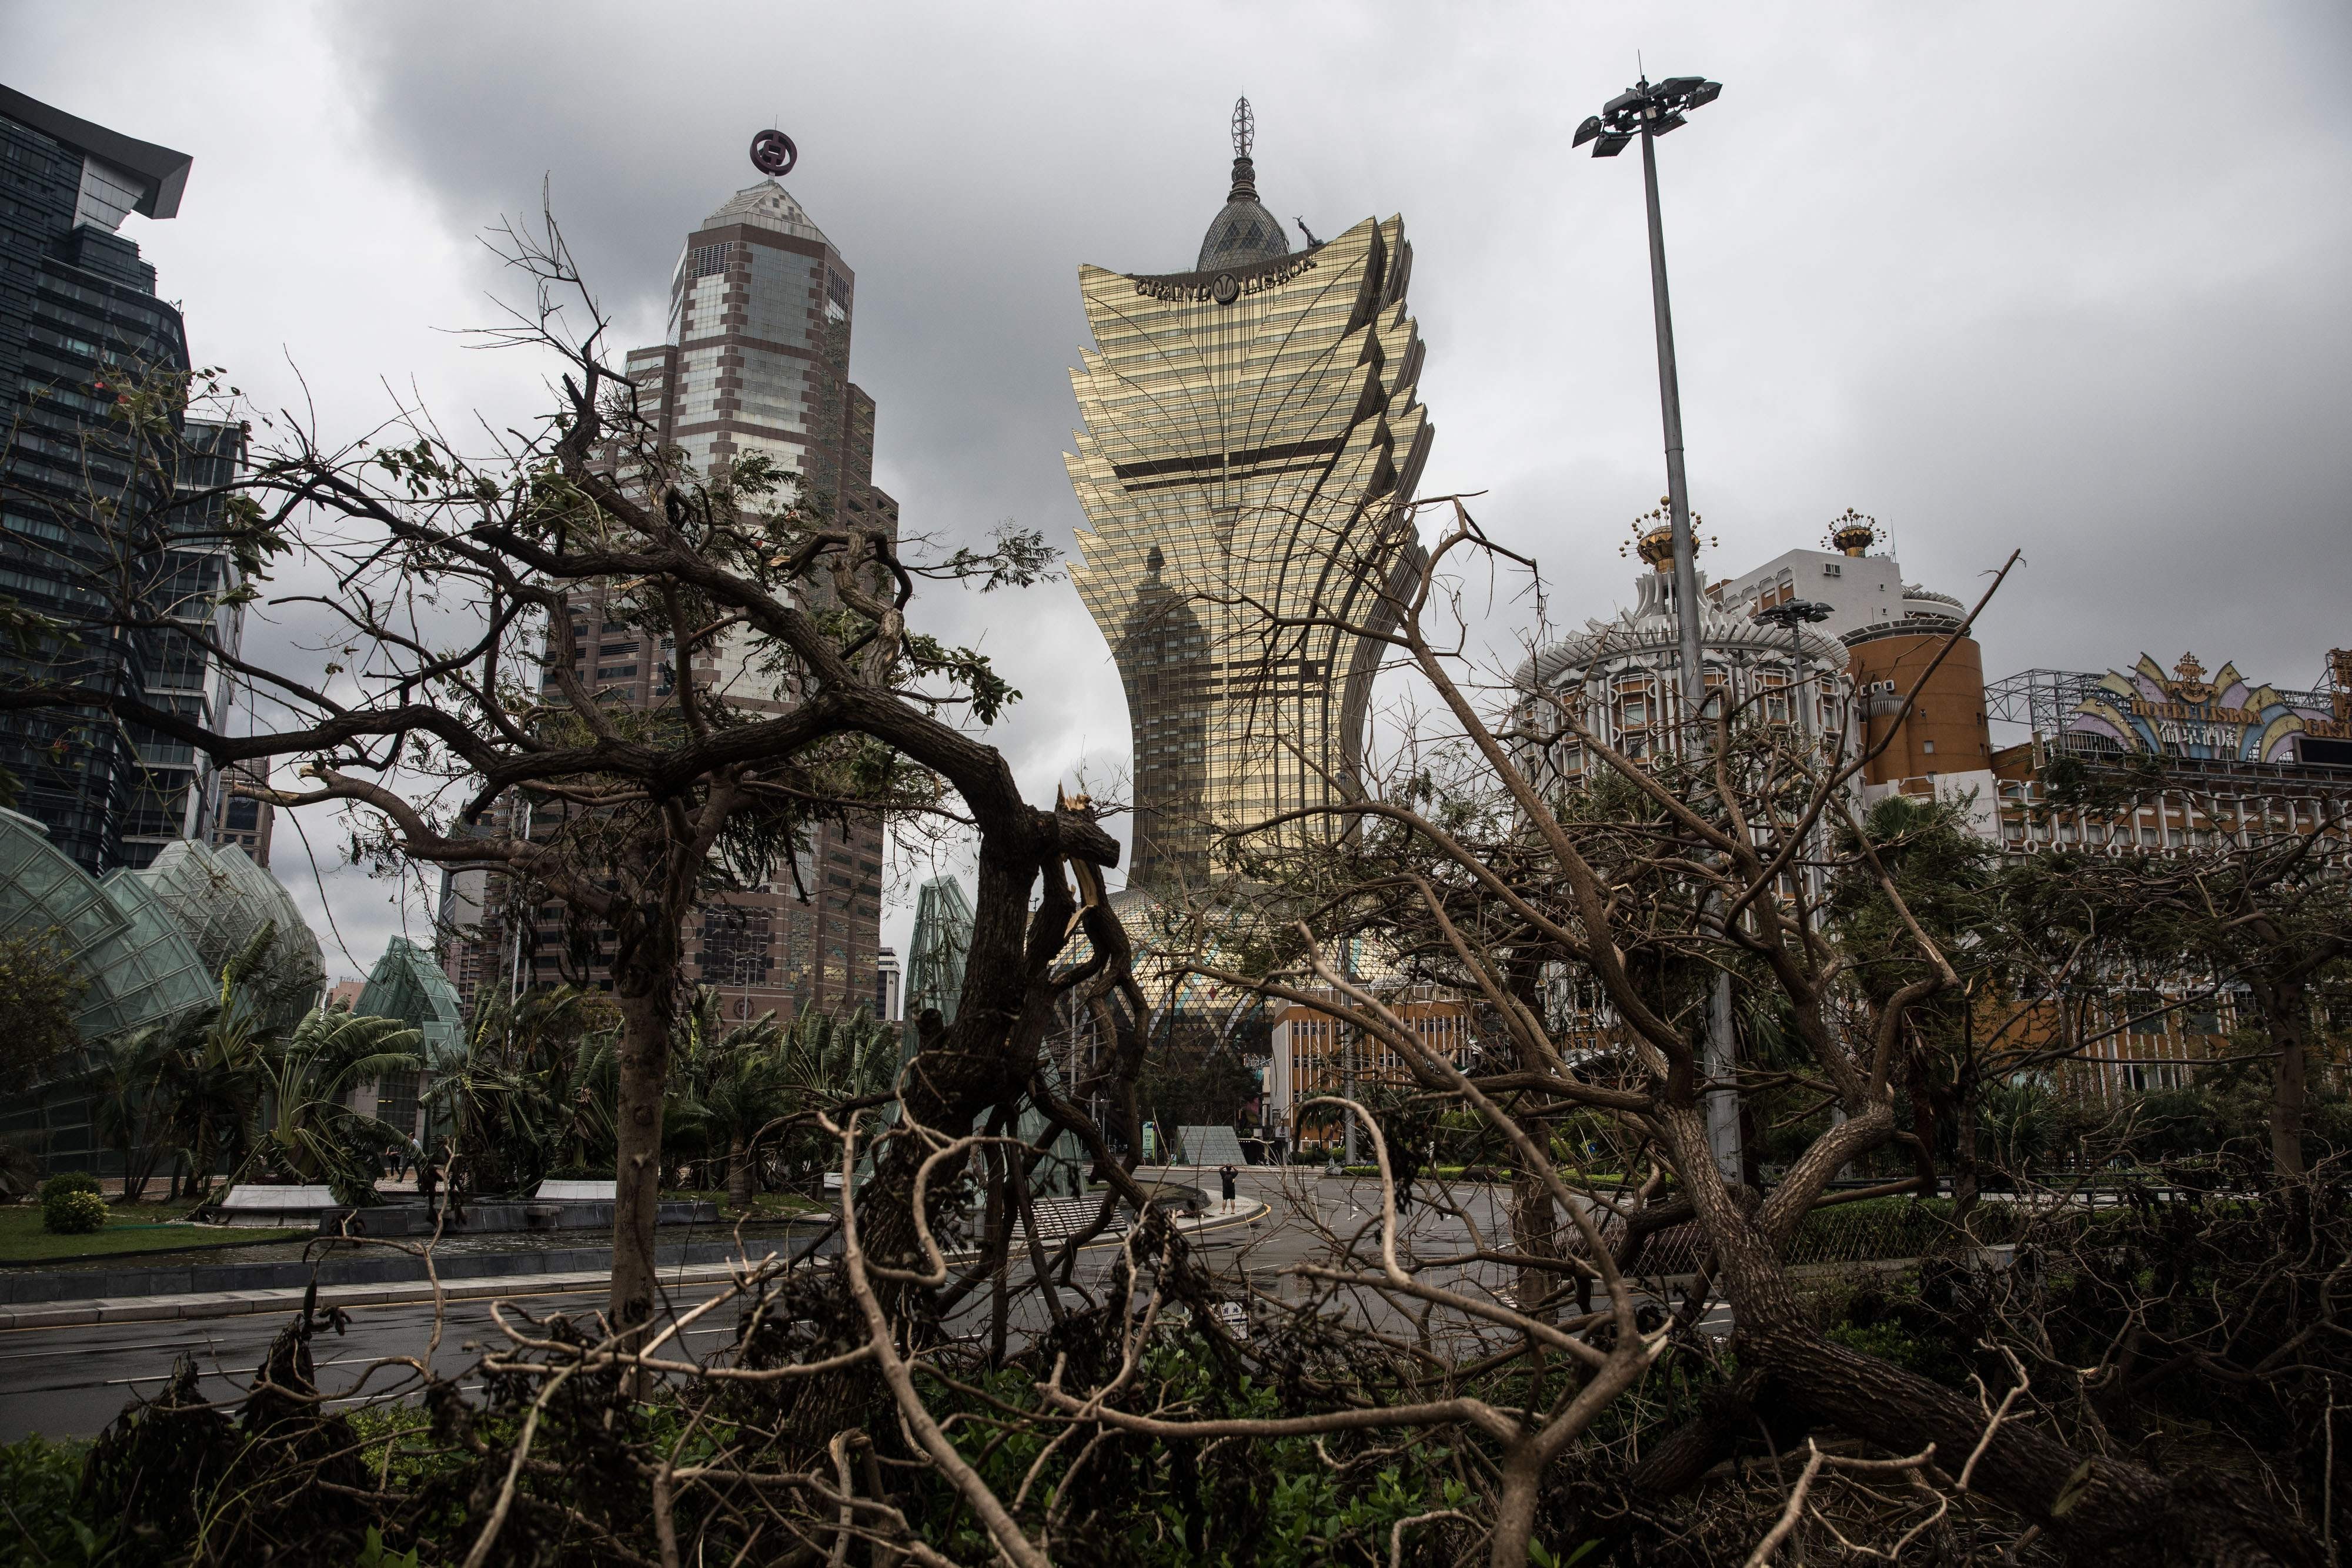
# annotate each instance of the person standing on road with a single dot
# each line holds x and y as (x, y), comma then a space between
(1225, 1175)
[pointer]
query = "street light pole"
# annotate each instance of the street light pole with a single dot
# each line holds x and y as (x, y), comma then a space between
(1670, 407)
(1649, 112)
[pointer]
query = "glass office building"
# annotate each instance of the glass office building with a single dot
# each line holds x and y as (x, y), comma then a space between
(80, 319)
(182, 793)
(756, 360)
(78, 325)
(1251, 433)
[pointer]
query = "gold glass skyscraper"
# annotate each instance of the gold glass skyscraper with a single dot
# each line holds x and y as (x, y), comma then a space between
(1251, 437)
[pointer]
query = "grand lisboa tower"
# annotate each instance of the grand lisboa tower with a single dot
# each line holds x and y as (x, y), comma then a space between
(1250, 440)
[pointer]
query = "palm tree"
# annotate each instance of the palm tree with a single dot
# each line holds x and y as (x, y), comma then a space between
(305, 1129)
(830, 1059)
(210, 1077)
(840, 1056)
(129, 1112)
(531, 1083)
(2020, 1117)
(732, 1085)
(211, 1080)
(230, 1085)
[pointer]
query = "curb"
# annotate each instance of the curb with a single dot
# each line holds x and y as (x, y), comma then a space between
(1227, 1221)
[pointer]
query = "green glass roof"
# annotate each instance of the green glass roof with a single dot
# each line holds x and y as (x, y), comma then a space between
(406, 984)
(141, 964)
(220, 898)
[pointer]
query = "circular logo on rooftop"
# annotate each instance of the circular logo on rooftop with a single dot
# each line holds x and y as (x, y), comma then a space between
(1225, 289)
(773, 154)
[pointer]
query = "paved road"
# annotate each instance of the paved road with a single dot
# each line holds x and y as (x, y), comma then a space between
(71, 1382)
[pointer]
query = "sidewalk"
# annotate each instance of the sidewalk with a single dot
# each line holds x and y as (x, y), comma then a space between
(1218, 1216)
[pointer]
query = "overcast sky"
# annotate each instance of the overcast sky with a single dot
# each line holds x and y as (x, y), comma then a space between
(2068, 277)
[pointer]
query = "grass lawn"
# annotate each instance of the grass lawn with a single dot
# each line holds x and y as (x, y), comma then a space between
(138, 1229)
(764, 1205)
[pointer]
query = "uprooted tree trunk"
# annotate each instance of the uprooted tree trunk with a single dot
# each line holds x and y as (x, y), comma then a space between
(645, 987)
(987, 1058)
(739, 1172)
(2101, 1510)
(2285, 1007)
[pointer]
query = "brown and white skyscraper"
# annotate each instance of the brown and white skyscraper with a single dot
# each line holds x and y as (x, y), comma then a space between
(757, 357)
(756, 361)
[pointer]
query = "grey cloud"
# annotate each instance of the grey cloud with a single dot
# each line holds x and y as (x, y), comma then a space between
(2064, 278)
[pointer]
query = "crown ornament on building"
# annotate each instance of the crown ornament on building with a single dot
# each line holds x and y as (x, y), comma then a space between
(2188, 682)
(1654, 537)
(1852, 532)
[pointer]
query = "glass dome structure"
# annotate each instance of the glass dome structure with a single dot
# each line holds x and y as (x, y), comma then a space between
(407, 985)
(151, 945)
(142, 969)
(220, 898)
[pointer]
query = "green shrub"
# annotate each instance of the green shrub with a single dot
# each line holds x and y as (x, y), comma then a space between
(73, 1213)
(68, 1181)
(1886, 1341)
(44, 1520)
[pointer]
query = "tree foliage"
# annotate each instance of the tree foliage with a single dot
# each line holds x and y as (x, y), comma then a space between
(41, 989)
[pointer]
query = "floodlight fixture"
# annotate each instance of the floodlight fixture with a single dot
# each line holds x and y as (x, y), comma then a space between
(1644, 109)
(1791, 616)
(1792, 613)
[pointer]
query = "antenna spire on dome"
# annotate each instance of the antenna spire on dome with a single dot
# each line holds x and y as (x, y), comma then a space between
(1244, 138)
(1245, 233)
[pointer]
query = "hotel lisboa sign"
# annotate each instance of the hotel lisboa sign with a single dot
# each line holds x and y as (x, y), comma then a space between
(2226, 718)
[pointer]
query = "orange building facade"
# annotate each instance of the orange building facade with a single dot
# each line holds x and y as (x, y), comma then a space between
(1312, 1053)
(1945, 733)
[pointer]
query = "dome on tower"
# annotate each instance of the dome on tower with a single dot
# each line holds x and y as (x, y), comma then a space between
(1245, 233)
